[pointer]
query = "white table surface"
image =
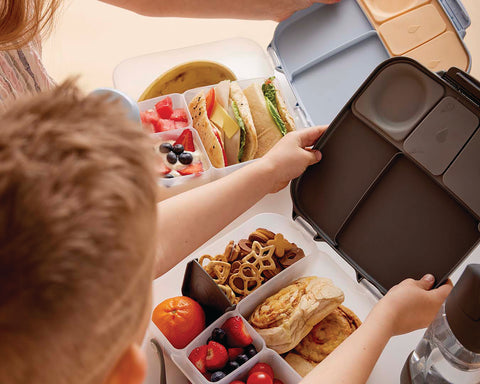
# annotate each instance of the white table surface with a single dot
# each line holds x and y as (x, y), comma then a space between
(391, 361)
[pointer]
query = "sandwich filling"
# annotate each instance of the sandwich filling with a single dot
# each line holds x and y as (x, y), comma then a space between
(270, 94)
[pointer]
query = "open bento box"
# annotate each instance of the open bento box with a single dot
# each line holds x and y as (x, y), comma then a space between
(397, 195)
(320, 56)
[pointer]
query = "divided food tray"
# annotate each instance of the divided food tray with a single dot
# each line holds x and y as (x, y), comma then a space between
(180, 184)
(326, 51)
(315, 263)
(397, 192)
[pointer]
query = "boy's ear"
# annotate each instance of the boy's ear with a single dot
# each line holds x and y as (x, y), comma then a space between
(130, 369)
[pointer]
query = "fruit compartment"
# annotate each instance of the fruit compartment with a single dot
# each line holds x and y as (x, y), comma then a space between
(281, 369)
(180, 184)
(194, 375)
(178, 101)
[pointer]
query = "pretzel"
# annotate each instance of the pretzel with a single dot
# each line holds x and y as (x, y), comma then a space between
(228, 292)
(218, 270)
(271, 274)
(281, 245)
(246, 274)
(235, 266)
(260, 236)
(261, 257)
(292, 256)
(266, 232)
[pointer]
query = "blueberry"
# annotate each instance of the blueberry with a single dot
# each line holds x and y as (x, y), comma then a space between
(171, 157)
(250, 350)
(168, 176)
(217, 376)
(231, 366)
(178, 148)
(220, 336)
(242, 359)
(165, 147)
(185, 158)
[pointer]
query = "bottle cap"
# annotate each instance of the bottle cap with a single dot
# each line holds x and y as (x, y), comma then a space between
(462, 308)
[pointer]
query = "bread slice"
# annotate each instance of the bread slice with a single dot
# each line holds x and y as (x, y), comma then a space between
(267, 132)
(251, 141)
(198, 110)
(285, 318)
(283, 110)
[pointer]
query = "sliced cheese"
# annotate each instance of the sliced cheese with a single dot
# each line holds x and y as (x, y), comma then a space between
(222, 119)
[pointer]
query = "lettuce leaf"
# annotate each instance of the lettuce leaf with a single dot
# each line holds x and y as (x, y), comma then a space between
(276, 117)
(243, 131)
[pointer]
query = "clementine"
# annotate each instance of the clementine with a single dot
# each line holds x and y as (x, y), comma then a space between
(180, 319)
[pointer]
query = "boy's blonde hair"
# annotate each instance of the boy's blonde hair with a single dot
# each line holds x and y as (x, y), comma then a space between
(77, 224)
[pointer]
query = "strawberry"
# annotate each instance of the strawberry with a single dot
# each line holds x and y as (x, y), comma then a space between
(237, 334)
(217, 356)
(277, 381)
(234, 352)
(164, 125)
(191, 169)
(262, 367)
(186, 139)
(179, 115)
(198, 358)
(164, 108)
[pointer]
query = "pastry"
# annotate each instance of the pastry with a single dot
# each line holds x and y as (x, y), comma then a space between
(285, 318)
(323, 339)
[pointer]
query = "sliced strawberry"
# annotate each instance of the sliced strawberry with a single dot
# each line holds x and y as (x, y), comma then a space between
(210, 101)
(191, 169)
(234, 352)
(179, 115)
(217, 356)
(164, 108)
(198, 357)
(186, 139)
(277, 381)
(180, 124)
(164, 125)
(237, 334)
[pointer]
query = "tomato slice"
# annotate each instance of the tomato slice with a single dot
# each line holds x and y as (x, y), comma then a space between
(210, 99)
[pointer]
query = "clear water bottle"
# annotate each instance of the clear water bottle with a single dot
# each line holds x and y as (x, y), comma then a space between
(449, 352)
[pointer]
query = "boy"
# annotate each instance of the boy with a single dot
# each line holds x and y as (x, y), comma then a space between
(80, 235)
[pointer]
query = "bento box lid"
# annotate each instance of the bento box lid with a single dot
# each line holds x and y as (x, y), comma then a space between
(458, 84)
(326, 51)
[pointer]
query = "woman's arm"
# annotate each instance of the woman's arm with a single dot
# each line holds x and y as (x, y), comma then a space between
(188, 220)
(235, 9)
(405, 308)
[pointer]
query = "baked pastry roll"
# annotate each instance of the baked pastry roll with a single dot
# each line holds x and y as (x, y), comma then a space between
(323, 339)
(285, 318)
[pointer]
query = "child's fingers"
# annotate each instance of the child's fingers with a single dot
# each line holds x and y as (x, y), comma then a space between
(442, 292)
(313, 156)
(308, 136)
(426, 282)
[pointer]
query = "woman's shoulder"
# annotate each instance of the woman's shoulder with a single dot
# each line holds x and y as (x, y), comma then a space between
(22, 72)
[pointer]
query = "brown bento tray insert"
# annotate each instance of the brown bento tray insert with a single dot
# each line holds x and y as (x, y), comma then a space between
(397, 192)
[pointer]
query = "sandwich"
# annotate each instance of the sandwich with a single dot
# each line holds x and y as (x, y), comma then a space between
(270, 114)
(322, 340)
(223, 120)
(285, 318)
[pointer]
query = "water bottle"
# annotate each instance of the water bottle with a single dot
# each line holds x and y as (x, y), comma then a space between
(449, 352)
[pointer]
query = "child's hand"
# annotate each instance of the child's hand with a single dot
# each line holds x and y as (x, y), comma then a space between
(410, 305)
(285, 8)
(290, 157)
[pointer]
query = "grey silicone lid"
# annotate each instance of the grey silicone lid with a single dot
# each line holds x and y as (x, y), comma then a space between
(463, 308)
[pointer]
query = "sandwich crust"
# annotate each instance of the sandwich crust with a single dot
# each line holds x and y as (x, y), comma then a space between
(283, 110)
(285, 318)
(251, 141)
(267, 132)
(323, 339)
(198, 110)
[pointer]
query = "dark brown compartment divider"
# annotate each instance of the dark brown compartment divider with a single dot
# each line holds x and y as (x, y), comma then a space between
(406, 226)
(353, 156)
